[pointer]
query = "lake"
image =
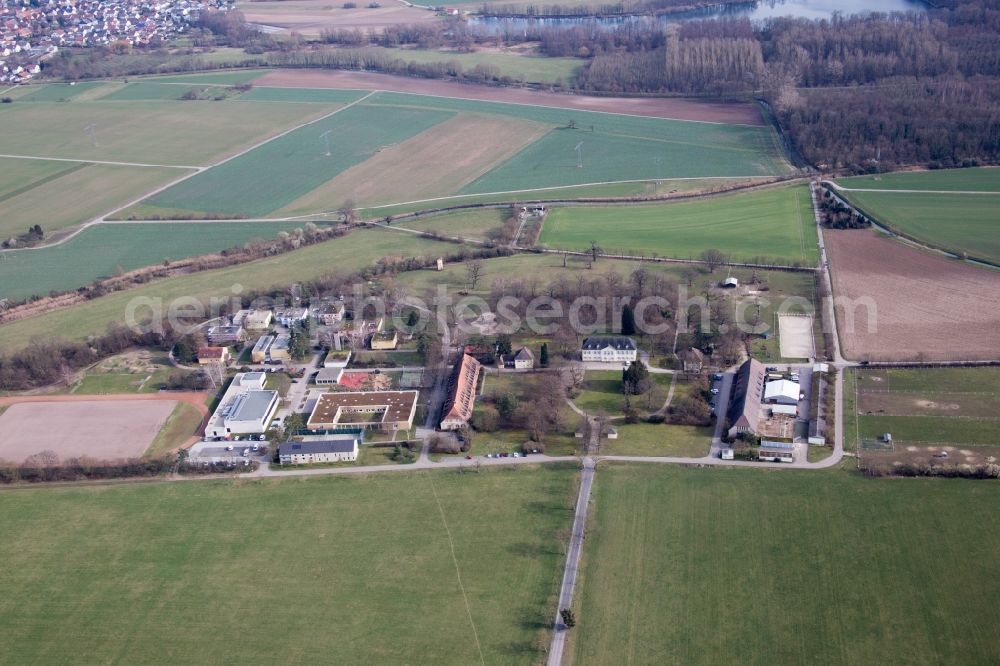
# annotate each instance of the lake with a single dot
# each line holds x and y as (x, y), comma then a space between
(757, 11)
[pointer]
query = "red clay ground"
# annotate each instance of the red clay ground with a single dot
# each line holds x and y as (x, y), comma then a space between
(657, 107)
(120, 414)
(927, 307)
(100, 430)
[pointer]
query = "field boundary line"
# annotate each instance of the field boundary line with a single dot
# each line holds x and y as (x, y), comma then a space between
(458, 572)
(543, 189)
(107, 162)
(541, 106)
(857, 189)
(197, 170)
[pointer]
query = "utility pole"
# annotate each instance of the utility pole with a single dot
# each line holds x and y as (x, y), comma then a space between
(326, 137)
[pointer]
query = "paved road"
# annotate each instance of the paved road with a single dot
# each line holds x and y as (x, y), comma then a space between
(572, 561)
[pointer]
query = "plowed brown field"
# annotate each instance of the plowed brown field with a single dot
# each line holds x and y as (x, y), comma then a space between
(922, 306)
(656, 107)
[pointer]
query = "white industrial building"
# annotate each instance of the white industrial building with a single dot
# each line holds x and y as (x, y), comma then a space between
(246, 408)
(609, 349)
(781, 392)
(253, 320)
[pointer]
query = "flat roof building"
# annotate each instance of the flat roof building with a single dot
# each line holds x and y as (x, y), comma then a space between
(327, 376)
(380, 410)
(259, 352)
(225, 335)
(245, 408)
(253, 320)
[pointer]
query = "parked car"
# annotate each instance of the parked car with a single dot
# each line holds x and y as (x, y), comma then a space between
(229, 448)
(246, 452)
(941, 454)
(468, 457)
(715, 391)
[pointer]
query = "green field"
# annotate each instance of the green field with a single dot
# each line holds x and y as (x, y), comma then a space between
(773, 225)
(160, 132)
(101, 250)
(219, 571)
(966, 224)
(700, 566)
(527, 68)
(958, 223)
(477, 224)
(19, 176)
(302, 95)
(216, 78)
(248, 184)
(342, 255)
(949, 406)
(57, 92)
(143, 90)
(985, 179)
(78, 192)
(620, 147)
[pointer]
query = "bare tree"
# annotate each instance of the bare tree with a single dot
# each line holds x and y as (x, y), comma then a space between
(713, 259)
(474, 271)
(595, 250)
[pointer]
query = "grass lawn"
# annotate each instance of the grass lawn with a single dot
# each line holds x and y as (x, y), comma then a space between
(346, 254)
(182, 424)
(774, 225)
(510, 441)
(834, 568)
(136, 371)
(147, 132)
(648, 439)
(851, 428)
(120, 572)
(278, 172)
(958, 223)
(927, 405)
(932, 429)
(78, 195)
(389, 359)
(602, 393)
(101, 250)
(367, 455)
(477, 224)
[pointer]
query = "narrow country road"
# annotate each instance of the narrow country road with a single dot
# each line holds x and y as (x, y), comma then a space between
(572, 561)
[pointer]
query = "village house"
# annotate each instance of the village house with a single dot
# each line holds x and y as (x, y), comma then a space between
(208, 355)
(692, 360)
(522, 359)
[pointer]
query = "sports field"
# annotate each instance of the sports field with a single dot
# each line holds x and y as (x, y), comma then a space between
(344, 255)
(716, 566)
(101, 250)
(770, 225)
(949, 209)
(930, 406)
(95, 429)
(73, 193)
(465, 570)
